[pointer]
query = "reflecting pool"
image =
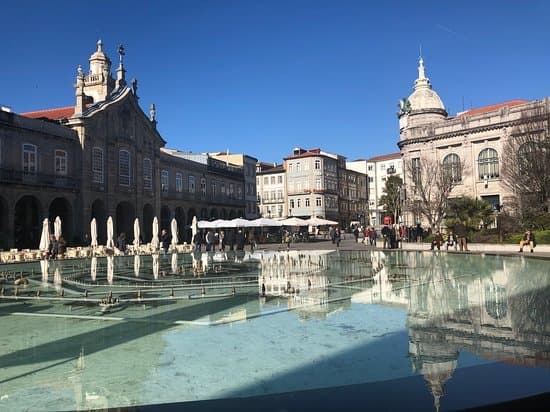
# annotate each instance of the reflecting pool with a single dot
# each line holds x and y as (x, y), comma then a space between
(445, 331)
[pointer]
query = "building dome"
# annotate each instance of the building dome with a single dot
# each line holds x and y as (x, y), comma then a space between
(423, 97)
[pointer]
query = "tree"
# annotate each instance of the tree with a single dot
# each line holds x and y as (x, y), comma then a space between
(391, 199)
(432, 184)
(526, 164)
(475, 213)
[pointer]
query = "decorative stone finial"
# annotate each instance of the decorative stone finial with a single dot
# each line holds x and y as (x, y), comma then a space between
(421, 74)
(121, 53)
(152, 112)
(134, 86)
(80, 72)
(99, 45)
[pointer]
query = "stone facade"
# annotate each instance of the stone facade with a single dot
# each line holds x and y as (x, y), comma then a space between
(102, 157)
(271, 185)
(470, 143)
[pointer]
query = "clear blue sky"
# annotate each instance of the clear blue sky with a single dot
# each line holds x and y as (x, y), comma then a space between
(262, 77)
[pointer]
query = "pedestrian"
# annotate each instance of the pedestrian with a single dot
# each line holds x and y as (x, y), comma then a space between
(221, 239)
(437, 241)
(52, 248)
(356, 234)
(210, 240)
(337, 236)
(528, 239)
(197, 240)
(164, 240)
(451, 241)
(121, 243)
(240, 240)
(460, 231)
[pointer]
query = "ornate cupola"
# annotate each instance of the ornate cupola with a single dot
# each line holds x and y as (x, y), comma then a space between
(99, 83)
(423, 106)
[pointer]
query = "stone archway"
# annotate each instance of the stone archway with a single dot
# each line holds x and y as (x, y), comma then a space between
(147, 223)
(99, 212)
(27, 223)
(179, 214)
(124, 221)
(4, 231)
(165, 218)
(214, 214)
(62, 208)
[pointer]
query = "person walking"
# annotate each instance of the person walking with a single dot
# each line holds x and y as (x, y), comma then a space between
(164, 240)
(460, 231)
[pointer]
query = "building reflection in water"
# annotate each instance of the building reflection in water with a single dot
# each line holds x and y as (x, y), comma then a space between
(496, 308)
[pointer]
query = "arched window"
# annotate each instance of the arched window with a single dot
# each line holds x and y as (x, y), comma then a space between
(452, 167)
(527, 155)
(124, 168)
(147, 174)
(487, 164)
(179, 182)
(29, 158)
(97, 165)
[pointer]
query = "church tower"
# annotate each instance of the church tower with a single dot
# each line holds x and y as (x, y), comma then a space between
(98, 83)
(422, 107)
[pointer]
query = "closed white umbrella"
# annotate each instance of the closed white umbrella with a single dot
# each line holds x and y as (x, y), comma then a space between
(45, 236)
(110, 233)
(155, 243)
(57, 227)
(174, 230)
(137, 264)
(93, 233)
(194, 228)
(136, 234)
(110, 269)
(174, 263)
(93, 268)
(156, 265)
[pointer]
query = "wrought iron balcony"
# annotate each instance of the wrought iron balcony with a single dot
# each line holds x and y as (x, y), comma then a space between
(10, 176)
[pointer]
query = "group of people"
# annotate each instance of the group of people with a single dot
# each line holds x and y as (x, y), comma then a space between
(454, 239)
(223, 239)
(56, 248)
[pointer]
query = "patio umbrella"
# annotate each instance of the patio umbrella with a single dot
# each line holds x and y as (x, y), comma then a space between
(137, 264)
(155, 243)
(45, 236)
(174, 230)
(194, 228)
(317, 221)
(239, 222)
(294, 221)
(93, 268)
(57, 227)
(265, 222)
(174, 263)
(136, 234)
(93, 233)
(110, 269)
(155, 265)
(205, 224)
(110, 233)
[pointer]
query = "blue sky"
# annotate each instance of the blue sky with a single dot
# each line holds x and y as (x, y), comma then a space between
(261, 77)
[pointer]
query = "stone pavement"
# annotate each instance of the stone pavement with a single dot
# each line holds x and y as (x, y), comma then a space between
(348, 243)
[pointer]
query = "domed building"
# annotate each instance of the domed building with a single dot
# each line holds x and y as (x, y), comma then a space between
(468, 147)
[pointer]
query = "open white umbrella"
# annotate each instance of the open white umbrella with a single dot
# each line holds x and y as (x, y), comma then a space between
(57, 227)
(155, 243)
(205, 224)
(265, 222)
(110, 233)
(45, 236)
(317, 221)
(294, 221)
(136, 234)
(239, 222)
(137, 264)
(93, 233)
(174, 230)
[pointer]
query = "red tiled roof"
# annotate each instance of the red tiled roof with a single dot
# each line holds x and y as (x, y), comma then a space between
(52, 114)
(492, 108)
(305, 153)
(381, 158)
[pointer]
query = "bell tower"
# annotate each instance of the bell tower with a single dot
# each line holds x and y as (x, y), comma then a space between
(99, 83)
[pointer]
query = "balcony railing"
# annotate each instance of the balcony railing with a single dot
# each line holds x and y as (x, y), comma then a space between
(11, 176)
(202, 197)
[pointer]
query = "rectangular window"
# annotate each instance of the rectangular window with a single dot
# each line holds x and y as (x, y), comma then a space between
(279, 194)
(97, 165)
(266, 180)
(60, 163)
(317, 201)
(164, 180)
(291, 204)
(147, 174)
(222, 189)
(317, 165)
(416, 174)
(299, 202)
(124, 168)
(272, 180)
(231, 189)
(279, 179)
(29, 158)
(191, 184)
(203, 185)
(318, 184)
(307, 201)
(213, 188)
(179, 182)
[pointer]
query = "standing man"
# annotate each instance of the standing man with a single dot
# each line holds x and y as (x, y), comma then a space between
(164, 240)
(460, 232)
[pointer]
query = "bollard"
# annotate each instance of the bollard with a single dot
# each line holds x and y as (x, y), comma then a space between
(171, 292)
